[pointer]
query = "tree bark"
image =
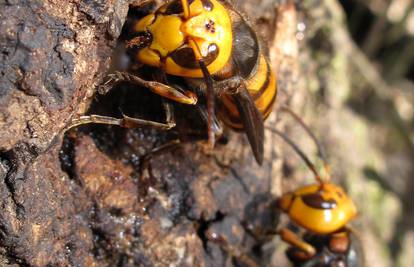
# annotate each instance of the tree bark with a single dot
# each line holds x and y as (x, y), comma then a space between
(87, 199)
(96, 196)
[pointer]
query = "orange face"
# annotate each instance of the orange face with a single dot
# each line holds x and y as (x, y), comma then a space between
(321, 209)
(173, 36)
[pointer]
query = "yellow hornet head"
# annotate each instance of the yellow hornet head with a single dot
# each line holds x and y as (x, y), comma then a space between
(320, 208)
(167, 38)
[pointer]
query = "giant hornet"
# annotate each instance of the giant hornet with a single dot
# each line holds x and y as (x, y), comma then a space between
(215, 51)
(322, 211)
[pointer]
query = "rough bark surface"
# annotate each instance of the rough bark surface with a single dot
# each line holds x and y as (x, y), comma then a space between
(86, 199)
(94, 197)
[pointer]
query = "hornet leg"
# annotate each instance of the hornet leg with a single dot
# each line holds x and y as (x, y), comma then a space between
(126, 121)
(184, 97)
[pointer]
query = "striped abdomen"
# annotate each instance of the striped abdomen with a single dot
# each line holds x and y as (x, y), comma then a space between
(262, 88)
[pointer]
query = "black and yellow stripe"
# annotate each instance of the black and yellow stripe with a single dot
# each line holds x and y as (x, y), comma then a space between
(263, 90)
